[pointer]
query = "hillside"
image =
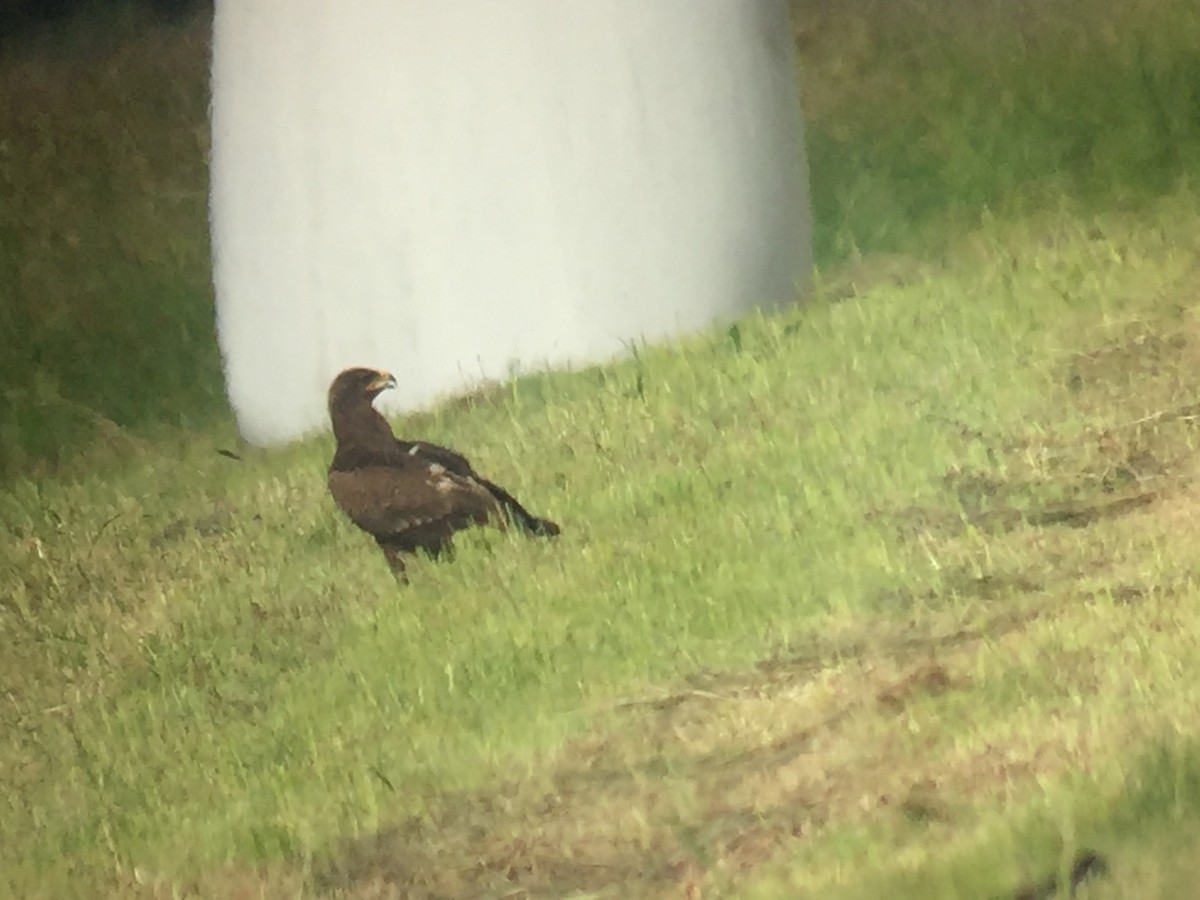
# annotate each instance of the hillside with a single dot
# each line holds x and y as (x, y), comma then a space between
(892, 594)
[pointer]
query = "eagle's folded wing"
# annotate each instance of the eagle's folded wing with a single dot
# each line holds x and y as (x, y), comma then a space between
(388, 501)
(451, 460)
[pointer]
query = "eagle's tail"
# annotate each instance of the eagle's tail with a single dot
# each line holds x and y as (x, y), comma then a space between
(524, 519)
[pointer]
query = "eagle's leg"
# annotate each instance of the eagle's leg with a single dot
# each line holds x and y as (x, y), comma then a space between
(395, 558)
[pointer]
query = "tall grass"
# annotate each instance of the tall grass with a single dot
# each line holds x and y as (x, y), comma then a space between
(927, 113)
(207, 671)
(106, 315)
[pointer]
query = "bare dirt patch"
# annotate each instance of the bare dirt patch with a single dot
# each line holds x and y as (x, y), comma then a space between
(701, 785)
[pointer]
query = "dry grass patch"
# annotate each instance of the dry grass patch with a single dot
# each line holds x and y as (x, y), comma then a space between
(692, 791)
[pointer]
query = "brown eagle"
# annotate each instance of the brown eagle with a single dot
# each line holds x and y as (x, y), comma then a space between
(408, 495)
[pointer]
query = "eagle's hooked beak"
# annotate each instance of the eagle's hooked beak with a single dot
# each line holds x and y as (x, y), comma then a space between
(381, 382)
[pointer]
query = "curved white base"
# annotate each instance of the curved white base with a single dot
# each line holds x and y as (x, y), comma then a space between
(450, 189)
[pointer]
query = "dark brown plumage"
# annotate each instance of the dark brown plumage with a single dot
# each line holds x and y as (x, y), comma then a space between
(408, 495)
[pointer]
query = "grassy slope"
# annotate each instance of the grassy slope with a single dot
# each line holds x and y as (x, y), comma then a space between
(900, 573)
(105, 297)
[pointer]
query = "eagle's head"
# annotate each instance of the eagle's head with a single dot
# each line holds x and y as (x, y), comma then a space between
(355, 389)
(358, 384)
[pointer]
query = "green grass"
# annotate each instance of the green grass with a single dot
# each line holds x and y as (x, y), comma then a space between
(890, 594)
(106, 315)
(1146, 825)
(923, 114)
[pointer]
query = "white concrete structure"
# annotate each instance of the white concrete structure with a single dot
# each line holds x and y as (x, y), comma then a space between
(453, 188)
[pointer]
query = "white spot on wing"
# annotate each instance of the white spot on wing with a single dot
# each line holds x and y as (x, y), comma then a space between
(414, 449)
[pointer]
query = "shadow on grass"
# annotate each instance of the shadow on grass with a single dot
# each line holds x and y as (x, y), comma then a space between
(154, 364)
(106, 312)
